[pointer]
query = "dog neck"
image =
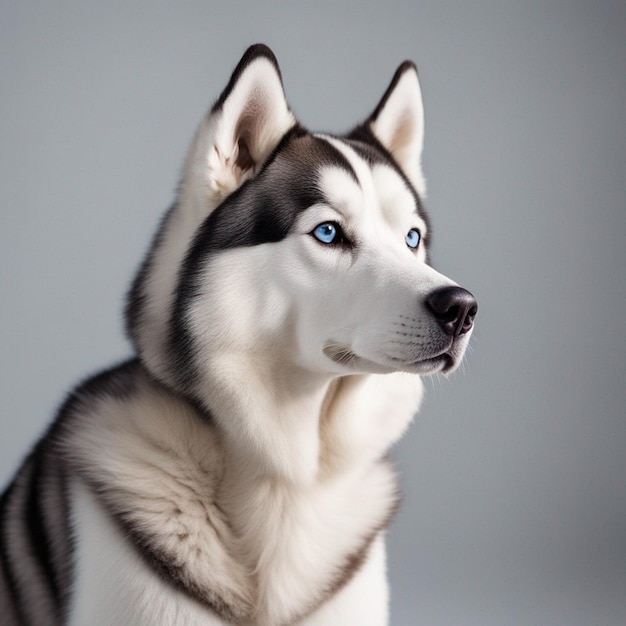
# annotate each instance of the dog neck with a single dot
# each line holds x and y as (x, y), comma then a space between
(268, 416)
(298, 427)
(304, 485)
(261, 540)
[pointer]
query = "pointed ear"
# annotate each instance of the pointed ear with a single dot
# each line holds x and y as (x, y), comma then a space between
(398, 123)
(244, 126)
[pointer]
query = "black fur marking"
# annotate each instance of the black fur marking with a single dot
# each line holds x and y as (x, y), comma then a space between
(14, 590)
(34, 515)
(7, 602)
(46, 487)
(251, 54)
(363, 141)
(263, 210)
(42, 483)
(58, 504)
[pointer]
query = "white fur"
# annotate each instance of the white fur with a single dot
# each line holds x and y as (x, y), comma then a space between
(267, 546)
(116, 587)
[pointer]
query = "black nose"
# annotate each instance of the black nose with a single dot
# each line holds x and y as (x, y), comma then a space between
(454, 308)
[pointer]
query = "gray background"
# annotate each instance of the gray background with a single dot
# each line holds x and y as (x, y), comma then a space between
(514, 473)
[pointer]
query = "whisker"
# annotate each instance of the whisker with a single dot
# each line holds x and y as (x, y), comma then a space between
(362, 332)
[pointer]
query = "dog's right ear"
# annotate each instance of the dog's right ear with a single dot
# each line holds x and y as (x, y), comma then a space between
(242, 129)
(398, 123)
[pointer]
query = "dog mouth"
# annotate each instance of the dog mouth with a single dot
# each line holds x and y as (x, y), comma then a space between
(343, 355)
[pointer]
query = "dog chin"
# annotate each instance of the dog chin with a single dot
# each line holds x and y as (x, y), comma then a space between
(344, 356)
(443, 364)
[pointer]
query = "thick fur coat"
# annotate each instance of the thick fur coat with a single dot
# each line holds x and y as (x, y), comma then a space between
(234, 471)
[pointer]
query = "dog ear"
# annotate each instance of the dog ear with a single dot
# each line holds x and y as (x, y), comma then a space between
(398, 123)
(244, 126)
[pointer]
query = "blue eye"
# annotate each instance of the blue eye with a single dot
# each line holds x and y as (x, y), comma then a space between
(326, 232)
(413, 238)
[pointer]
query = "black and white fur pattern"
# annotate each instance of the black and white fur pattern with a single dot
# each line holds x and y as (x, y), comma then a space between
(235, 471)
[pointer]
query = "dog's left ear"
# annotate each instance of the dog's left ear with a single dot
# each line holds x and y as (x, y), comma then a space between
(398, 123)
(242, 129)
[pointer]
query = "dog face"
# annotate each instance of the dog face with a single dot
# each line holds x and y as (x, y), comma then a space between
(304, 249)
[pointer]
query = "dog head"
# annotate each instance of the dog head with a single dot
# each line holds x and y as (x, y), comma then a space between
(303, 249)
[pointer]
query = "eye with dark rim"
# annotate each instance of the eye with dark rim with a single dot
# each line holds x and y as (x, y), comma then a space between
(330, 233)
(413, 238)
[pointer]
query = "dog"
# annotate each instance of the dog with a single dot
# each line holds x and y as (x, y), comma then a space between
(235, 470)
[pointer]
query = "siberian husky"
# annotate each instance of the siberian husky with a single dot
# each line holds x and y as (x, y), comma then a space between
(235, 471)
